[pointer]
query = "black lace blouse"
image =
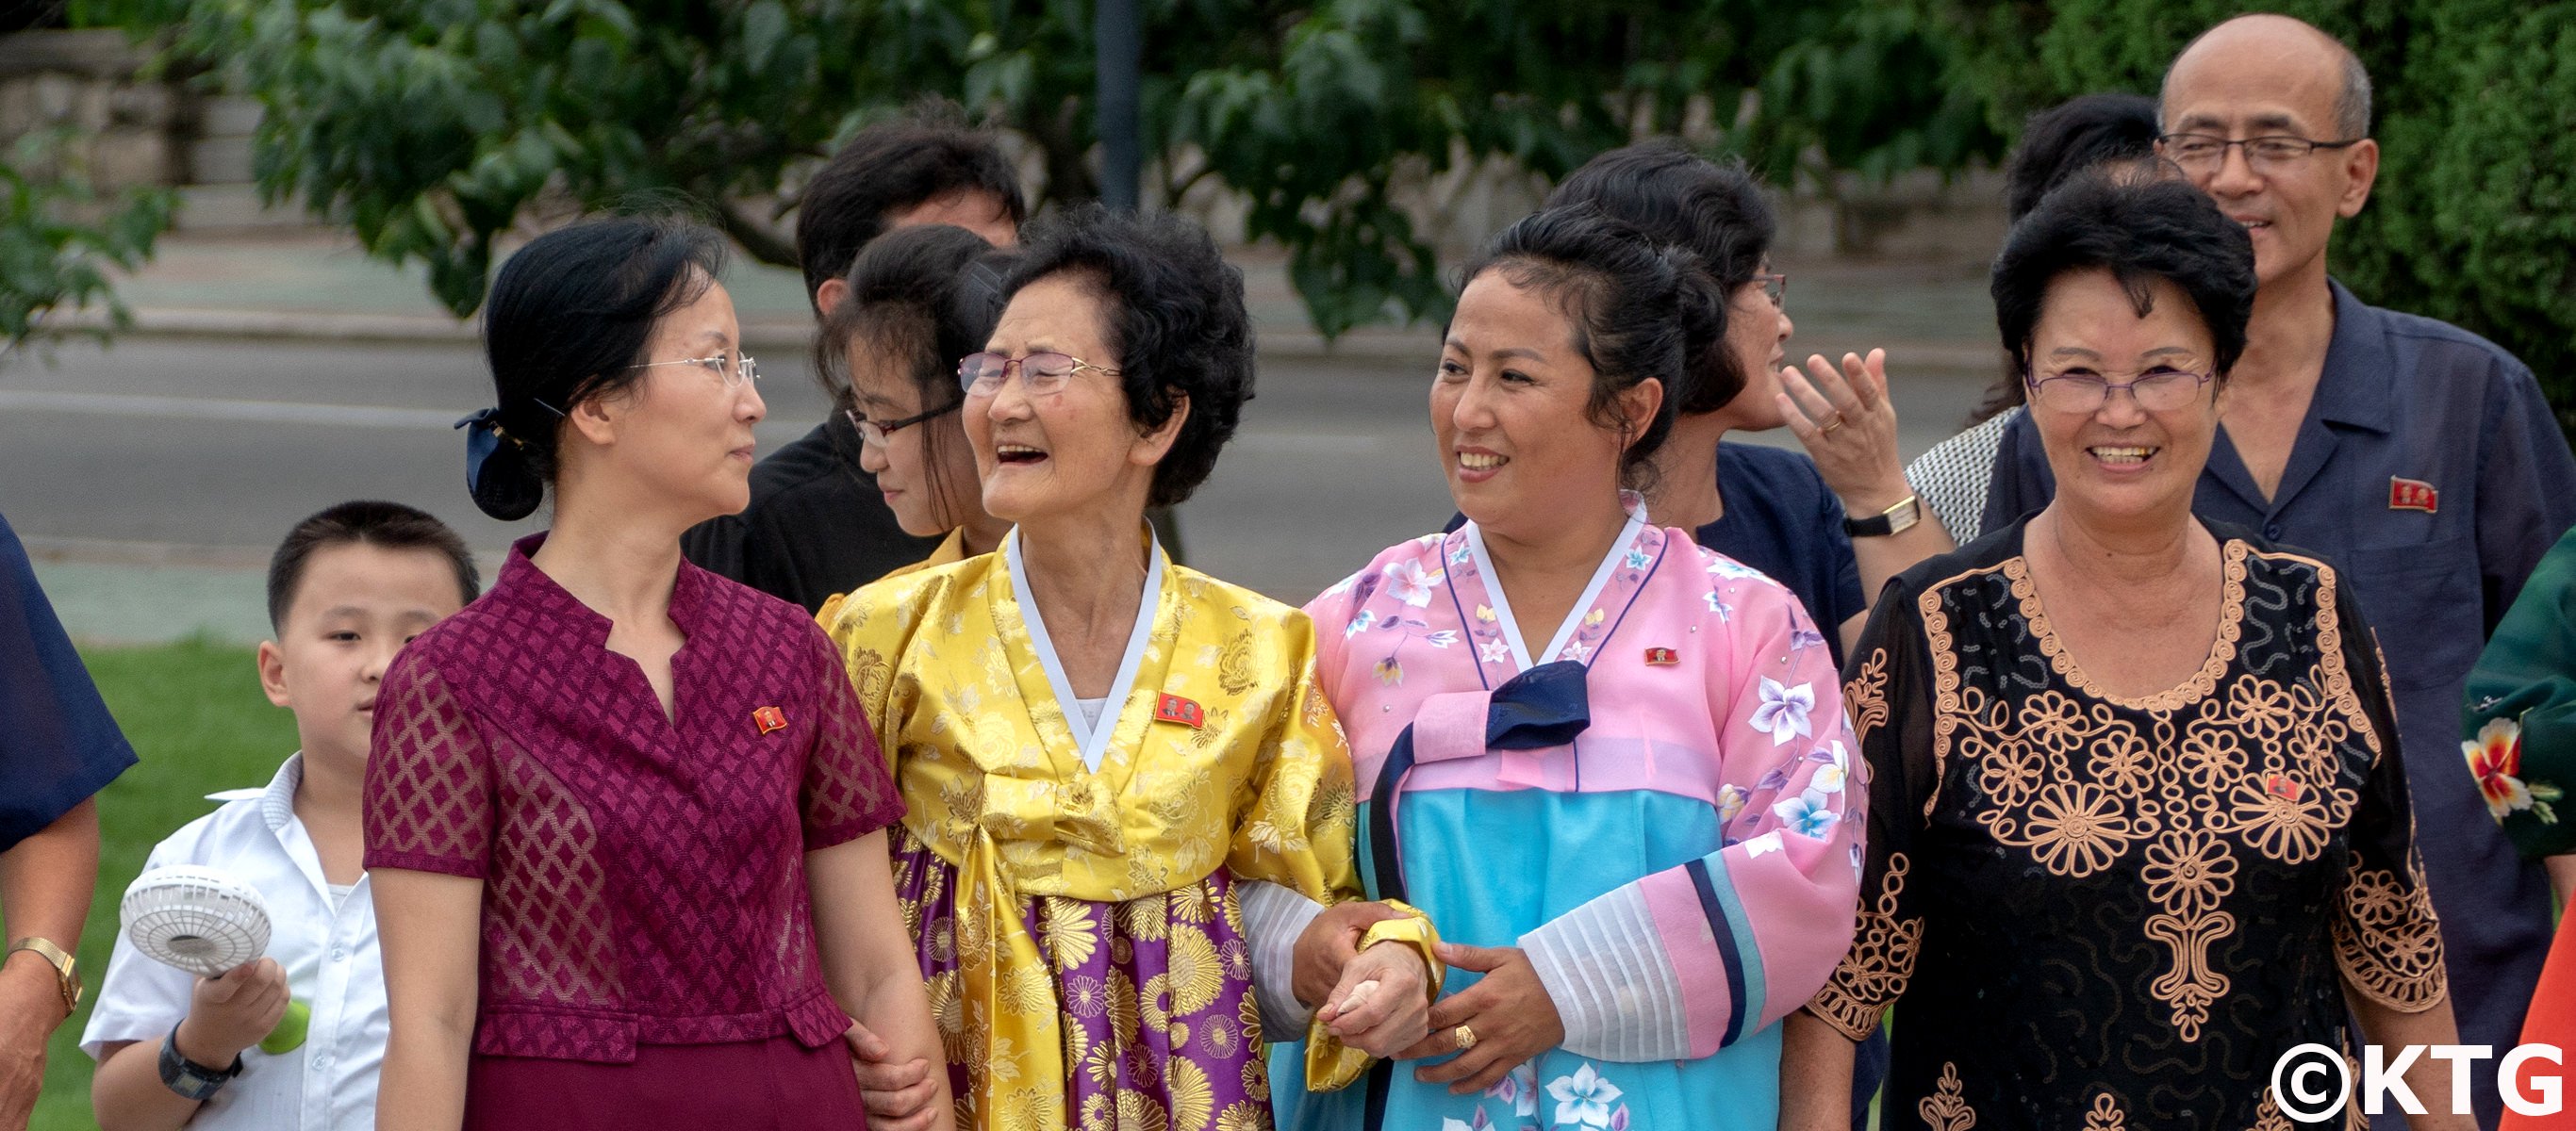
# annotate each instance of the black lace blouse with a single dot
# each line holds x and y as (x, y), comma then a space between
(2101, 912)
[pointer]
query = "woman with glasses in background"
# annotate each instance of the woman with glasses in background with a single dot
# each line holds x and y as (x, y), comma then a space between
(1128, 803)
(624, 817)
(2138, 823)
(1833, 521)
(920, 299)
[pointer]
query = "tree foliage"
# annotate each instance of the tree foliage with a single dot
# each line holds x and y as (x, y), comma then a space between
(60, 234)
(431, 126)
(2473, 219)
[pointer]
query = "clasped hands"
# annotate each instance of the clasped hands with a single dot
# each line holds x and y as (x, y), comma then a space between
(1507, 1010)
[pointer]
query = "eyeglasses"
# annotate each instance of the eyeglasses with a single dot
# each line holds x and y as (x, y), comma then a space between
(1045, 372)
(1775, 286)
(2200, 153)
(877, 433)
(734, 374)
(2081, 390)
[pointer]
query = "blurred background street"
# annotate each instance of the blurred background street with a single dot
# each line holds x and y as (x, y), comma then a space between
(273, 373)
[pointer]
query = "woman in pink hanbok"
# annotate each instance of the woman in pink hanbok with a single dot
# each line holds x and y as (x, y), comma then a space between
(1610, 764)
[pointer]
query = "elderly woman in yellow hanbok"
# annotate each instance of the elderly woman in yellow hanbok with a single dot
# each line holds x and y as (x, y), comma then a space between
(1129, 805)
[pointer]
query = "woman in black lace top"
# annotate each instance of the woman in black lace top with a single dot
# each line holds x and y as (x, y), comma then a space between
(2138, 824)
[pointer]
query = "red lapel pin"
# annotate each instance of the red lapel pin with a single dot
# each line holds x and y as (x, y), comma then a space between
(1662, 657)
(769, 719)
(2281, 787)
(1174, 709)
(2413, 495)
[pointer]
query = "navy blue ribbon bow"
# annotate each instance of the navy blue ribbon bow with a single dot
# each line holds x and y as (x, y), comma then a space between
(1543, 707)
(482, 438)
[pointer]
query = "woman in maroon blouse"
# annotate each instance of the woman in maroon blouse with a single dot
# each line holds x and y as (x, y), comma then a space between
(625, 816)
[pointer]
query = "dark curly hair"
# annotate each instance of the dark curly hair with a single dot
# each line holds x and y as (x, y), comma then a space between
(1174, 316)
(1636, 308)
(1715, 211)
(570, 315)
(889, 167)
(2140, 231)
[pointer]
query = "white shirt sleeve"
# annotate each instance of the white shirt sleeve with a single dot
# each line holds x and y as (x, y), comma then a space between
(1273, 917)
(139, 999)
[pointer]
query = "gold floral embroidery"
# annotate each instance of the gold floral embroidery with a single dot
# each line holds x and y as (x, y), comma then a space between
(2105, 1116)
(2254, 765)
(1878, 965)
(2387, 941)
(2268, 1117)
(1865, 696)
(1946, 1109)
(2231, 625)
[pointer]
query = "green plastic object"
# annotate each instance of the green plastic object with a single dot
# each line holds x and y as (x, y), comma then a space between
(289, 1034)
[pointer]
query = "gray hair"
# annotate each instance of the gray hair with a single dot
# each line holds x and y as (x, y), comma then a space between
(2352, 103)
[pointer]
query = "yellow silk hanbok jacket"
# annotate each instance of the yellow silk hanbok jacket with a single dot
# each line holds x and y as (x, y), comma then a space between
(1222, 754)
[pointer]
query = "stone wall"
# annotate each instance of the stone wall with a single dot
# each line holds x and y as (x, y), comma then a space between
(134, 131)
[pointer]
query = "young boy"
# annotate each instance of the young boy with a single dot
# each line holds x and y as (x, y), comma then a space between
(346, 590)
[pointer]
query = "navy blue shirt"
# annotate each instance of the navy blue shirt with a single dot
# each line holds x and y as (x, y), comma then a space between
(58, 744)
(1781, 519)
(2432, 472)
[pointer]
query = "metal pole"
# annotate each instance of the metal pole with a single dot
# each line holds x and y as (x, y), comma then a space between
(1121, 40)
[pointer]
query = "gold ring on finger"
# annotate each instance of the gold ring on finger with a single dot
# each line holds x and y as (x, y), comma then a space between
(1466, 1037)
(1837, 422)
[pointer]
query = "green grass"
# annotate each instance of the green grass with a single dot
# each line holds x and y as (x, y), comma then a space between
(196, 717)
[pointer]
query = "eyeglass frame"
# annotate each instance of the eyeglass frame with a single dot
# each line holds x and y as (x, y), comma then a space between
(885, 430)
(2164, 142)
(2037, 386)
(1055, 382)
(743, 372)
(1775, 286)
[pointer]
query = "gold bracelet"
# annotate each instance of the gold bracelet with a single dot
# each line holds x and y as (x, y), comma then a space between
(66, 976)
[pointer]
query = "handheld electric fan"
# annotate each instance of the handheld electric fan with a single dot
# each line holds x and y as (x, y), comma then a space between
(206, 923)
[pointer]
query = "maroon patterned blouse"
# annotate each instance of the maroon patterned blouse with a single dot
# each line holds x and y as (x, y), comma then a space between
(644, 879)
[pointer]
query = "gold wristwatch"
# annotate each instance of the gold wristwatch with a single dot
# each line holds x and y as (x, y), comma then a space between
(1894, 520)
(66, 974)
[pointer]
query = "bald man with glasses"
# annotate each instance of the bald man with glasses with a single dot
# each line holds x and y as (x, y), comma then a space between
(2418, 458)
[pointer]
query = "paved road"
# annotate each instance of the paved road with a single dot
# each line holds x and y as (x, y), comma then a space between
(152, 477)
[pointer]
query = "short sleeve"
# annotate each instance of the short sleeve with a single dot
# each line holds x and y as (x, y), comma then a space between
(2526, 487)
(1841, 568)
(58, 744)
(2386, 940)
(1889, 695)
(140, 999)
(431, 801)
(847, 792)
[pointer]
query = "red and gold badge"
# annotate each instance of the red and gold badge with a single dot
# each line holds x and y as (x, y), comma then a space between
(1170, 708)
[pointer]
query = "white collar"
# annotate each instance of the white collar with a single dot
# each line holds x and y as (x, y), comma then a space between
(1091, 739)
(1591, 591)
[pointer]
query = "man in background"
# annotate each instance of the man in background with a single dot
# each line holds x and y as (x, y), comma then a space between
(817, 525)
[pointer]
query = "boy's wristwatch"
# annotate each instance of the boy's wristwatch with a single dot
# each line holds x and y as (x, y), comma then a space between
(189, 1078)
(66, 968)
(1894, 520)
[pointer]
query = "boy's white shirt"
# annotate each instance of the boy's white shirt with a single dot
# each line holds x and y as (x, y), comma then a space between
(329, 951)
